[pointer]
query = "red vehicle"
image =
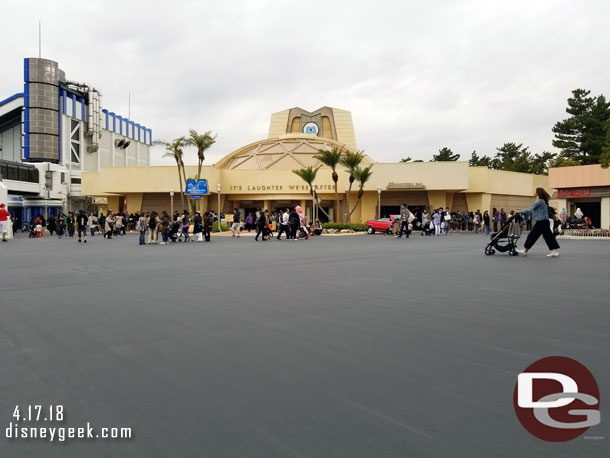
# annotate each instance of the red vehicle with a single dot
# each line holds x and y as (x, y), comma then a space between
(381, 225)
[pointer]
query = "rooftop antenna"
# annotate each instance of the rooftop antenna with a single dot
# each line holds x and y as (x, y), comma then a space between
(39, 39)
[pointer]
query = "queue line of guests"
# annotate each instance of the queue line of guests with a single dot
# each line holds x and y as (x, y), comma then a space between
(442, 221)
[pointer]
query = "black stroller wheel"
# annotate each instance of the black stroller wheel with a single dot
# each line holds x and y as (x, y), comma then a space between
(489, 251)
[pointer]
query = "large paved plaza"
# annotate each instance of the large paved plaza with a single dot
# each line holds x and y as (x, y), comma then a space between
(337, 347)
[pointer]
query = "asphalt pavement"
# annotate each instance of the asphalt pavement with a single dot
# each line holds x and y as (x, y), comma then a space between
(336, 347)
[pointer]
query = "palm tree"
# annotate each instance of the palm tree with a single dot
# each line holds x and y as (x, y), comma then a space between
(175, 150)
(351, 161)
(308, 175)
(332, 158)
(362, 176)
(202, 142)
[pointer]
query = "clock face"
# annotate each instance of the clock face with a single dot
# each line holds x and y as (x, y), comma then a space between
(311, 128)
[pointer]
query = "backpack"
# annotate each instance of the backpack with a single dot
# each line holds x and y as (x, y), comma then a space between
(152, 223)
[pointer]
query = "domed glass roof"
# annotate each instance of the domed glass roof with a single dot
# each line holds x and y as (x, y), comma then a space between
(288, 152)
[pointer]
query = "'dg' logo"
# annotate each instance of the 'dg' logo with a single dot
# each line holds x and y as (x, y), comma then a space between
(557, 399)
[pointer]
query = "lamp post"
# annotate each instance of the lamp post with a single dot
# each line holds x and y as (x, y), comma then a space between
(218, 192)
(171, 208)
(378, 202)
(313, 208)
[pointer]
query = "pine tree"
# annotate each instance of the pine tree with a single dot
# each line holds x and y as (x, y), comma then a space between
(445, 155)
(518, 158)
(605, 157)
(581, 137)
(482, 161)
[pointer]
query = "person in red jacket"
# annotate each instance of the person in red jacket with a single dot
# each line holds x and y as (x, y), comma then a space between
(4, 216)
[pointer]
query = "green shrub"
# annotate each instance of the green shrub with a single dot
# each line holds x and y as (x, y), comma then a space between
(222, 226)
(357, 227)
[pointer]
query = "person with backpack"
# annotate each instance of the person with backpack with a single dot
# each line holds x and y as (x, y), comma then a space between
(153, 228)
(486, 222)
(542, 226)
(261, 225)
(142, 226)
(294, 223)
(198, 226)
(283, 224)
(92, 224)
(109, 225)
(186, 224)
(81, 223)
(404, 222)
(51, 224)
(208, 222)
(165, 227)
(101, 222)
(70, 224)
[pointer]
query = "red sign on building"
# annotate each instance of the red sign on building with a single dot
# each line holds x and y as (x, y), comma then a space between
(574, 192)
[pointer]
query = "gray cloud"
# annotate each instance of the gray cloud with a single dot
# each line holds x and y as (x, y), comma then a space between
(416, 76)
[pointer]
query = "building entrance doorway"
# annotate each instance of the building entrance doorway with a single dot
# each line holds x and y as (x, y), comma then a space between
(387, 210)
(591, 209)
(249, 211)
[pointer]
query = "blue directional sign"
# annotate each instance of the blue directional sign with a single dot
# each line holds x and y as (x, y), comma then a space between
(196, 187)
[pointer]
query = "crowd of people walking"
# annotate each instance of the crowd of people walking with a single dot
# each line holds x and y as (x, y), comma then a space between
(163, 228)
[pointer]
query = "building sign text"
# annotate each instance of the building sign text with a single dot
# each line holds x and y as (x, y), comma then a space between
(392, 185)
(574, 192)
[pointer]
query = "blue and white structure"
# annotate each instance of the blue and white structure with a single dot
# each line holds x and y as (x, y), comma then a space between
(52, 132)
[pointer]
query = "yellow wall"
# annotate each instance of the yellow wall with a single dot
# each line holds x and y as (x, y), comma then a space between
(122, 180)
(278, 124)
(482, 179)
(442, 182)
(344, 127)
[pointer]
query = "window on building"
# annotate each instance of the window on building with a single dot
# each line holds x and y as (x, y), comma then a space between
(75, 141)
(13, 173)
(48, 179)
(75, 180)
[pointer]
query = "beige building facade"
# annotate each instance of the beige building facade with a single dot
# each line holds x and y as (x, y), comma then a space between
(260, 175)
(586, 187)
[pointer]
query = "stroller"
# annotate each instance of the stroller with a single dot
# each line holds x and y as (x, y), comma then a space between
(174, 229)
(506, 238)
(428, 229)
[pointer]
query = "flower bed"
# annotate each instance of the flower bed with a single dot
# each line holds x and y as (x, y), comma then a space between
(338, 227)
(587, 232)
(338, 231)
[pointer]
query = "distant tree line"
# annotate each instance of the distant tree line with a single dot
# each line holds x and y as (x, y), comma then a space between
(582, 138)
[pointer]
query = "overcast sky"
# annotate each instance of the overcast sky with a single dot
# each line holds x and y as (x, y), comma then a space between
(417, 76)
